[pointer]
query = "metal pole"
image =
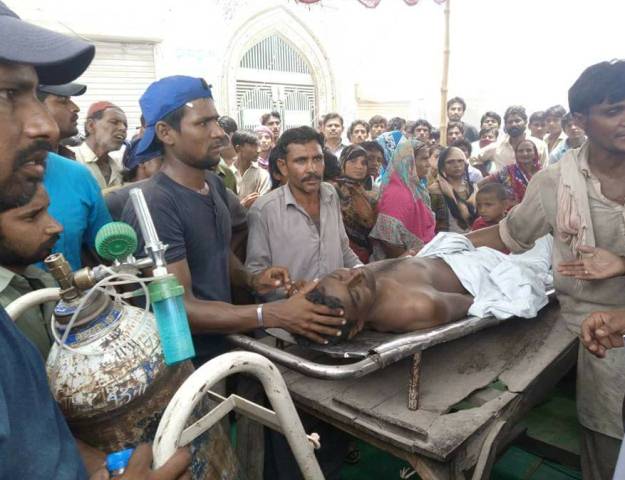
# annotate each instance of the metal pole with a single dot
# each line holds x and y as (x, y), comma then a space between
(446, 51)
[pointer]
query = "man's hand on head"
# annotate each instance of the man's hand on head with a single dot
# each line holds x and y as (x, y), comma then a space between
(601, 331)
(302, 317)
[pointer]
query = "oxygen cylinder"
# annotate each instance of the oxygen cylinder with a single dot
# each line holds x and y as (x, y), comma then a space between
(114, 387)
(112, 383)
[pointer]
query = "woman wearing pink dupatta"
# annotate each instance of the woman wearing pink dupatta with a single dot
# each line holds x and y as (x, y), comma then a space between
(405, 220)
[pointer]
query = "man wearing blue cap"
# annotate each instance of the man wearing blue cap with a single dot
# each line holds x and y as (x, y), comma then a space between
(35, 442)
(190, 213)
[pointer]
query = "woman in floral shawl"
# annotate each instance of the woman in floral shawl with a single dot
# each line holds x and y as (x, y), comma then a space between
(404, 220)
(357, 204)
(515, 177)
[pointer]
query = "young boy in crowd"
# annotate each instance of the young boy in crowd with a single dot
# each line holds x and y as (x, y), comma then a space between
(252, 180)
(492, 204)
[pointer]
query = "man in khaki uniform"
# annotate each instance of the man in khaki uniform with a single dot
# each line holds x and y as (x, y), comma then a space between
(581, 201)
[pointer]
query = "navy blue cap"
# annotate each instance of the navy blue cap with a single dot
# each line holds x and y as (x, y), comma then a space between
(65, 90)
(163, 97)
(57, 58)
(131, 160)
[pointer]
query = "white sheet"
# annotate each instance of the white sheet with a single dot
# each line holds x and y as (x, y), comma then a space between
(502, 285)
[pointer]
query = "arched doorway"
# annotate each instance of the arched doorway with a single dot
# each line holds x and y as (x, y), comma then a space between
(272, 75)
(267, 71)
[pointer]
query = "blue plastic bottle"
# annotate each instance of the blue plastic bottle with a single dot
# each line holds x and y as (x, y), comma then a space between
(166, 296)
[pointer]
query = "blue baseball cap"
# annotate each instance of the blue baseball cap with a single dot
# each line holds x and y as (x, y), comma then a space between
(163, 97)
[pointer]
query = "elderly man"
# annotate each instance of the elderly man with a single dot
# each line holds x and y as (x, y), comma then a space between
(35, 442)
(581, 201)
(105, 130)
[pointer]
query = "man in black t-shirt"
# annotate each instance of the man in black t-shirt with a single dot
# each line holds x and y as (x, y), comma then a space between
(190, 214)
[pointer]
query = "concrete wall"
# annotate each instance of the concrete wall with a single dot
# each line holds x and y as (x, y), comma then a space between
(503, 51)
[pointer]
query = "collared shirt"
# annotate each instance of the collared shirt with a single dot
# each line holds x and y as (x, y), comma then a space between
(501, 153)
(600, 399)
(224, 172)
(34, 322)
(281, 233)
(559, 151)
(338, 150)
(254, 180)
(85, 155)
(76, 202)
(551, 146)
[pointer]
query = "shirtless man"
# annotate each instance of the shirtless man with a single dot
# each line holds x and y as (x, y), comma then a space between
(397, 295)
(447, 281)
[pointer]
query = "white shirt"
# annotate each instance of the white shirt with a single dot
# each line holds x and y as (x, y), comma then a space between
(87, 157)
(254, 180)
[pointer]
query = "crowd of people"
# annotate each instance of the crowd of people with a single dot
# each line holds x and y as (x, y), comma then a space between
(255, 216)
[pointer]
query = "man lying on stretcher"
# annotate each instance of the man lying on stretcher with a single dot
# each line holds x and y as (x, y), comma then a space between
(446, 281)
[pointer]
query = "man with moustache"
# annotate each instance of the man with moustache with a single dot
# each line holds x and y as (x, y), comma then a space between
(27, 235)
(299, 225)
(58, 101)
(190, 212)
(35, 442)
(75, 198)
(500, 154)
(105, 130)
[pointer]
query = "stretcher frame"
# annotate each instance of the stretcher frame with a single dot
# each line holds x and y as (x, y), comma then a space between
(464, 420)
(371, 351)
